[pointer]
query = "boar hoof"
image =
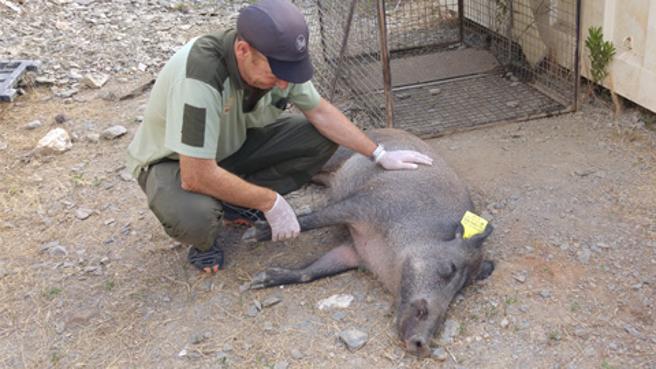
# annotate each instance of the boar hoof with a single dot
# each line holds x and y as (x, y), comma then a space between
(260, 231)
(272, 277)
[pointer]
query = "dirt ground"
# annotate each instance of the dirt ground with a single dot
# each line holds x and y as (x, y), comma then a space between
(573, 200)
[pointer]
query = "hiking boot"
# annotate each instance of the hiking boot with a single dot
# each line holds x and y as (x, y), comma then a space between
(208, 261)
(233, 214)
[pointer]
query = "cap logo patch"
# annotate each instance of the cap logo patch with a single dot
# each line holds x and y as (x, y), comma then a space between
(301, 43)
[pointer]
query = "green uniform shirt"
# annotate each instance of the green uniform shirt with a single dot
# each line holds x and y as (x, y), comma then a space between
(199, 106)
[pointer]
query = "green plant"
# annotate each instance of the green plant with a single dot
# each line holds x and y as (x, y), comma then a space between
(601, 54)
(181, 7)
(574, 307)
(109, 285)
(649, 118)
(52, 292)
(605, 365)
(78, 179)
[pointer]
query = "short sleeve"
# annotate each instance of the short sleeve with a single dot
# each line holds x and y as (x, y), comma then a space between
(304, 96)
(193, 119)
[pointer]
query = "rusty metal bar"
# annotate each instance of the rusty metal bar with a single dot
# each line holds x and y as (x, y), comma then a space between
(385, 59)
(342, 51)
(461, 16)
(577, 56)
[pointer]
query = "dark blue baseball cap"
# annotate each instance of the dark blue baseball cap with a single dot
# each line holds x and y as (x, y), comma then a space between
(277, 29)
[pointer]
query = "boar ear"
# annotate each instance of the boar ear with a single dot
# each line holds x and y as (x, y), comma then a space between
(487, 267)
(459, 231)
(477, 239)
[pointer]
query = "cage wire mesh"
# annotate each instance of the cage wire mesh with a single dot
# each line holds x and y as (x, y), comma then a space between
(454, 63)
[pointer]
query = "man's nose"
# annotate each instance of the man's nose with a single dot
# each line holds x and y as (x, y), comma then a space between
(281, 84)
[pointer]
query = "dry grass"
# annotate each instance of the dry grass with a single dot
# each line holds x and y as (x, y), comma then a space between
(140, 307)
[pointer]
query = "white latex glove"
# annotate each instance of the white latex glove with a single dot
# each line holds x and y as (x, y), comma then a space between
(282, 220)
(402, 159)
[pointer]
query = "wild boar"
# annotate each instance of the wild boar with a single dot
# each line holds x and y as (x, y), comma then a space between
(405, 228)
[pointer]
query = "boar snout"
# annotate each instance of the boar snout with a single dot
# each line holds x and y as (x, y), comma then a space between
(417, 345)
(417, 324)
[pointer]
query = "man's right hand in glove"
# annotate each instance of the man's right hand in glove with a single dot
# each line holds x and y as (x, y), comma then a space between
(282, 220)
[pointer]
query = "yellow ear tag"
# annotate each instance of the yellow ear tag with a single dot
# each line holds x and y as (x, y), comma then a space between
(472, 224)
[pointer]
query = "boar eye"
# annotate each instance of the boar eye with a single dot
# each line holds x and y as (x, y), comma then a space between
(447, 271)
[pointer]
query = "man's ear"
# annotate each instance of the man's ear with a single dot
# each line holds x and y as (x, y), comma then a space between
(242, 48)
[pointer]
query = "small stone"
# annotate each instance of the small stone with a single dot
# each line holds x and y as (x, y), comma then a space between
(628, 328)
(403, 96)
(521, 276)
(74, 74)
(252, 311)
(504, 323)
(42, 80)
(512, 104)
(450, 331)
(142, 67)
(584, 255)
(435, 91)
(56, 141)
(107, 95)
(54, 249)
(339, 315)
(581, 332)
(66, 93)
(114, 132)
(125, 176)
(297, 354)
(545, 294)
(199, 338)
(92, 137)
(91, 269)
(271, 300)
(33, 125)
(281, 365)
(95, 81)
(584, 172)
(335, 301)
(354, 339)
(60, 118)
(3, 145)
(139, 119)
(3, 271)
(440, 354)
(244, 287)
(60, 327)
(602, 245)
(83, 213)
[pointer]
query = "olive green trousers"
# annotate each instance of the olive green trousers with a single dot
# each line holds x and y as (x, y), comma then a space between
(281, 156)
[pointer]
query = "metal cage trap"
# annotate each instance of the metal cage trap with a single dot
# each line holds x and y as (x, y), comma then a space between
(434, 66)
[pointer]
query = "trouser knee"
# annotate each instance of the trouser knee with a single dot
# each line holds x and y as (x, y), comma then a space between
(187, 217)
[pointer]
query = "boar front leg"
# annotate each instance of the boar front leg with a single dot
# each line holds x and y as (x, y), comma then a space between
(338, 260)
(333, 214)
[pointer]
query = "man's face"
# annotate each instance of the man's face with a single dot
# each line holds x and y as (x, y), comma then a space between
(255, 70)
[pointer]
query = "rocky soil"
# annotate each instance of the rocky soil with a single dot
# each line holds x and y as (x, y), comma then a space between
(89, 279)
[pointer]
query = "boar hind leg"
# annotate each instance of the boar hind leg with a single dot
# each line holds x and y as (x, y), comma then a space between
(335, 261)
